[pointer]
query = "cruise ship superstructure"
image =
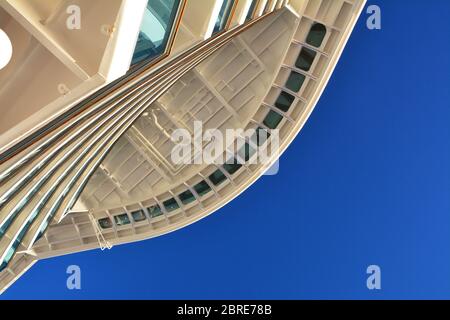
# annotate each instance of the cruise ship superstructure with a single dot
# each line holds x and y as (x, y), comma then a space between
(95, 89)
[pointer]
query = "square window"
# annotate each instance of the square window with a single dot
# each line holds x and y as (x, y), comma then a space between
(295, 81)
(156, 28)
(122, 219)
(202, 188)
(171, 205)
(138, 215)
(316, 35)
(154, 211)
(284, 101)
(186, 197)
(272, 120)
(231, 168)
(217, 177)
(105, 223)
(305, 59)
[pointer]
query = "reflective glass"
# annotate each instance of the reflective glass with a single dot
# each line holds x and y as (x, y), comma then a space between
(272, 120)
(186, 197)
(316, 35)
(217, 177)
(224, 15)
(138, 215)
(202, 188)
(295, 81)
(105, 223)
(122, 219)
(171, 205)
(156, 27)
(305, 59)
(154, 211)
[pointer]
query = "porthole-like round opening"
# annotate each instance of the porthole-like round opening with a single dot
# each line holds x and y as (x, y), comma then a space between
(5, 49)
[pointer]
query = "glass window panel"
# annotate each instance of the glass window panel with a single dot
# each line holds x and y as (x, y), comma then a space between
(105, 223)
(202, 188)
(305, 59)
(246, 152)
(122, 219)
(272, 120)
(171, 205)
(8, 257)
(295, 81)
(262, 136)
(156, 27)
(231, 168)
(138, 215)
(316, 35)
(224, 15)
(154, 211)
(251, 11)
(217, 177)
(284, 101)
(186, 197)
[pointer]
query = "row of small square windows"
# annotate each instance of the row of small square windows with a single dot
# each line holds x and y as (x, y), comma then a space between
(271, 121)
(201, 188)
(295, 80)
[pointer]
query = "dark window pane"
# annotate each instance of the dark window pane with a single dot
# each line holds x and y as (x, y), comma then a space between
(186, 197)
(9, 256)
(295, 81)
(224, 15)
(122, 219)
(251, 11)
(284, 101)
(171, 205)
(105, 223)
(246, 152)
(202, 188)
(305, 59)
(138, 215)
(154, 211)
(316, 35)
(262, 136)
(249, 151)
(217, 177)
(231, 168)
(155, 29)
(272, 120)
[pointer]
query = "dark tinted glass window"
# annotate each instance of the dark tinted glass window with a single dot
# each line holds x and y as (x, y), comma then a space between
(217, 177)
(202, 188)
(295, 81)
(138, 215)
(224, 15)
(262, 136)
(186, 197)
(251, 11)
(171, 205)
(122, 219)
(305, 59)
(105, 223)
(284, 101)
(272, 120)
(231, 168)
(316, 35)
(156, 27)
(154, 211)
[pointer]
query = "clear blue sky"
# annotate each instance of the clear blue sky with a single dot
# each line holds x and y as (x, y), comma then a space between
(366, 182)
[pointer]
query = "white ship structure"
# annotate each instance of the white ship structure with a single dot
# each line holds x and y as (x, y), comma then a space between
(91, 92)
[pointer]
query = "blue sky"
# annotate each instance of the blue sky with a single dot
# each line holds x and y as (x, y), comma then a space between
(367, 181)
